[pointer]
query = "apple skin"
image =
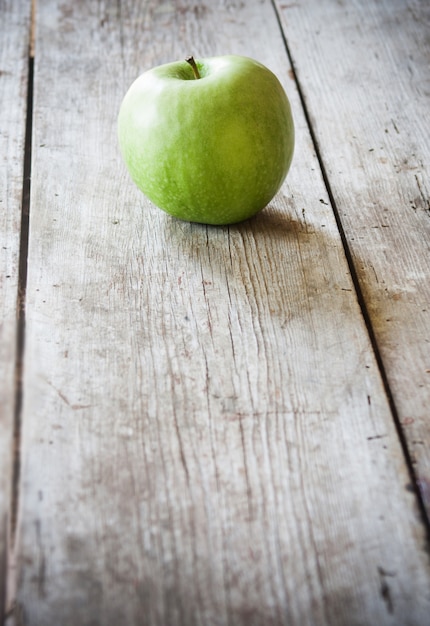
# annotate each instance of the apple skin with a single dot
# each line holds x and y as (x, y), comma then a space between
(214, 149)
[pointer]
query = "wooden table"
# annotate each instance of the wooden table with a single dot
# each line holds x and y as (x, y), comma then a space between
(215, 426)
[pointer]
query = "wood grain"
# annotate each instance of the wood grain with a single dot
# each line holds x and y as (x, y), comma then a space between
(206, 437)
(373, 135)
(14, 35)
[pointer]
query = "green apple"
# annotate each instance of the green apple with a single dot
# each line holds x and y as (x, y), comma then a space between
(207, 141)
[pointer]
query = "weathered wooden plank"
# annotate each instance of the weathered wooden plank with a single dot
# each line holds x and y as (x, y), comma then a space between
(364, 70)
(14, 41)
(206, 438)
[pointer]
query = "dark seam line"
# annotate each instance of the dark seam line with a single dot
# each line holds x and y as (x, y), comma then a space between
(22, 287)
(358, 290)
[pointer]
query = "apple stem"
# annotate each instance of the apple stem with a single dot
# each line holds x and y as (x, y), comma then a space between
(193, 64)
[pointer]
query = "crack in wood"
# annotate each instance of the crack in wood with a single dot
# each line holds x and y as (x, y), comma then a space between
(384, 588)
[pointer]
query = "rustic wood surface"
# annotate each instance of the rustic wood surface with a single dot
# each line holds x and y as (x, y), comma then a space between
(14, 51)
(373, 135)
(207, 433)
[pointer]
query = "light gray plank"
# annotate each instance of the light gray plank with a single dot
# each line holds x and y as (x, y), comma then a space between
(206, 439)
(365, 72)
(14, 36)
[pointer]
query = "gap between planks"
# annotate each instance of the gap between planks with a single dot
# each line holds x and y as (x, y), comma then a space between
(22, 286)
(20, 335)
